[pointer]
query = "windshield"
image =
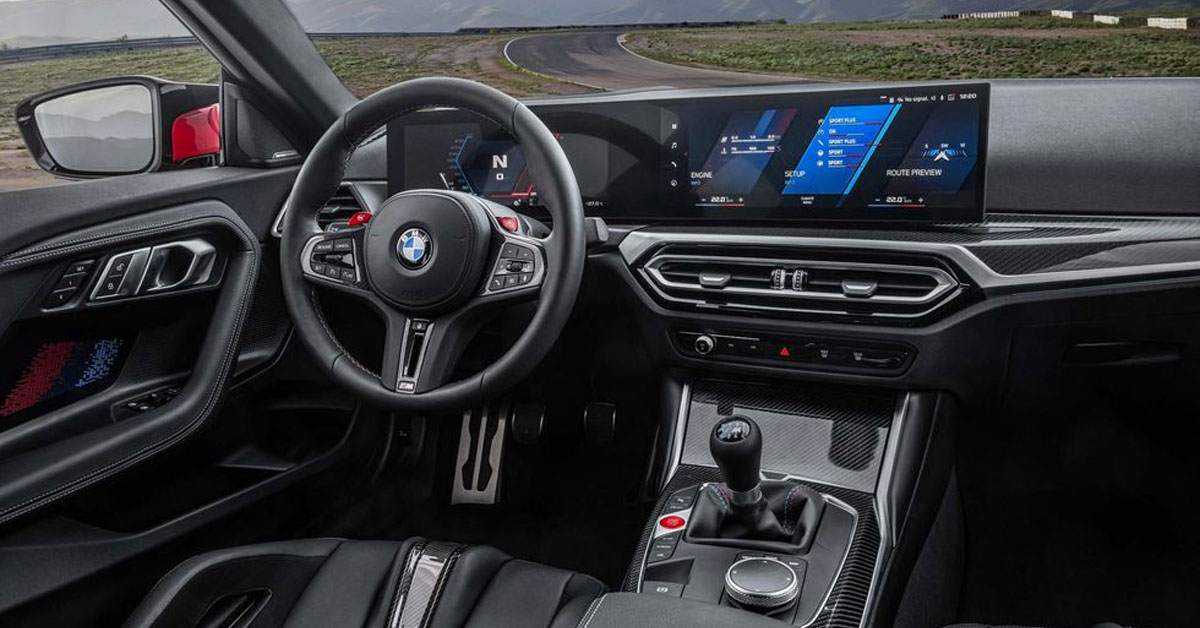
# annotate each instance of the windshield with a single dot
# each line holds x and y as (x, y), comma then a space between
(537, 47)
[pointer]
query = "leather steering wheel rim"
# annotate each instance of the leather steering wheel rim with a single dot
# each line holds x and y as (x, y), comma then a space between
(564, 249)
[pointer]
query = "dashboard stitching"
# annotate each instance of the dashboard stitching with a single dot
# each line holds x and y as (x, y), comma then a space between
(58, 249)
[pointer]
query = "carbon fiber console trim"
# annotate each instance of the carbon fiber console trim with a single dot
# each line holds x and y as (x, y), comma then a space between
(847, 601)
(824, 435)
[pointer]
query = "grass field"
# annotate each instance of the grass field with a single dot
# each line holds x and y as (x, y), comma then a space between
(365, 65)
(1007, 48)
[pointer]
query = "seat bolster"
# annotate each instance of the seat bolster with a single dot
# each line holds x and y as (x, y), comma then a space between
(639, 610)
(348, 586)
(365, 584)
(581, 591)
(182, 595)
(1106, 624)
(520, 594)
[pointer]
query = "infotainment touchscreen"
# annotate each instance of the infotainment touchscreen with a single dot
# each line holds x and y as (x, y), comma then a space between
(906, 153)
(913, 153)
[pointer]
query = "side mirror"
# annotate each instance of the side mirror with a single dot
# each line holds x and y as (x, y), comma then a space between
(123, 125)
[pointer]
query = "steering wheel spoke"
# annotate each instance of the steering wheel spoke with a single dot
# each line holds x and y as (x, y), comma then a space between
(420, 353)
(335, 260)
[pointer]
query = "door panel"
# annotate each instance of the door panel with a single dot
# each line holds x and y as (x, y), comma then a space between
(156, 424)
(34, 471)
(91, 385)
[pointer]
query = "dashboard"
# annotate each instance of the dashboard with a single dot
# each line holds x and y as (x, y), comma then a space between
(909, 153)
(1091, 217)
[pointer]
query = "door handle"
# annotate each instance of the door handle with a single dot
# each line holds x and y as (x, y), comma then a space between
(179, 265)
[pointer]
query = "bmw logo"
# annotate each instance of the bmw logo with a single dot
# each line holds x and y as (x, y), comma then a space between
(414, 247)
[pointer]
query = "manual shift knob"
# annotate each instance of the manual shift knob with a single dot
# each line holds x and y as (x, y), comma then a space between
(736, 446)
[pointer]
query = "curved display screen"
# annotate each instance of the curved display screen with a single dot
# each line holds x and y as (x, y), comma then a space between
(915, 153)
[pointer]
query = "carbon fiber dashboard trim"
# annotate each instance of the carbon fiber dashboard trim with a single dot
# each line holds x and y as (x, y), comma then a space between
(823, 435)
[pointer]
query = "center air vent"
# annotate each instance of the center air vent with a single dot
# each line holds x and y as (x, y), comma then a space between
(337, 212)
(834, 284)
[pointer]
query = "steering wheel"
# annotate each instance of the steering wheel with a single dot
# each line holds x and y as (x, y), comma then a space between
(435, 264)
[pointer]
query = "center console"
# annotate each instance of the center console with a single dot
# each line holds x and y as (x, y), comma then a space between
(781, 501)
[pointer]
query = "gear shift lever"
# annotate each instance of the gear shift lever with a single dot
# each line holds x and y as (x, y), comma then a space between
(744, 511)
(736, 446)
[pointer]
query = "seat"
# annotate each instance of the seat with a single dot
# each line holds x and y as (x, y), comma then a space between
(1101, 625)
(334, 583)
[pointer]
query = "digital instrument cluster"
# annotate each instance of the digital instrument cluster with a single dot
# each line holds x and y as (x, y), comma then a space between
(908, 153)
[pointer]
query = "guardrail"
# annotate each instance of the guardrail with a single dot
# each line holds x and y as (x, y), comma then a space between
(37, 53)
(1177, 23)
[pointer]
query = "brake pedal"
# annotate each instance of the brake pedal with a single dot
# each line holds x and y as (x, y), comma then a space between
(480, 455)
(527, 422)
(600, 423)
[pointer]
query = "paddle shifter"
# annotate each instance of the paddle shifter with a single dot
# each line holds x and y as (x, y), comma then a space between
(746, 511)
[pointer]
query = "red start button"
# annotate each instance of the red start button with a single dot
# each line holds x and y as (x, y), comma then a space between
(671, 522)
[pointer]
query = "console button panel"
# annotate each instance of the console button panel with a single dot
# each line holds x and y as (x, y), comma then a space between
(801, 352)
(676, 565)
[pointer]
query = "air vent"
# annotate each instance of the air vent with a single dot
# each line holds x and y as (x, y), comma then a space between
(830, 284)
(337, 212)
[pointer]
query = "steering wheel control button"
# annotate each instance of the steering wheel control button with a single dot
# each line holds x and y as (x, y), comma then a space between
(509, 251)
(517, 267)
(414, 247)
(334, 259)
(672, 522)
(762, 583)
(669, 589)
